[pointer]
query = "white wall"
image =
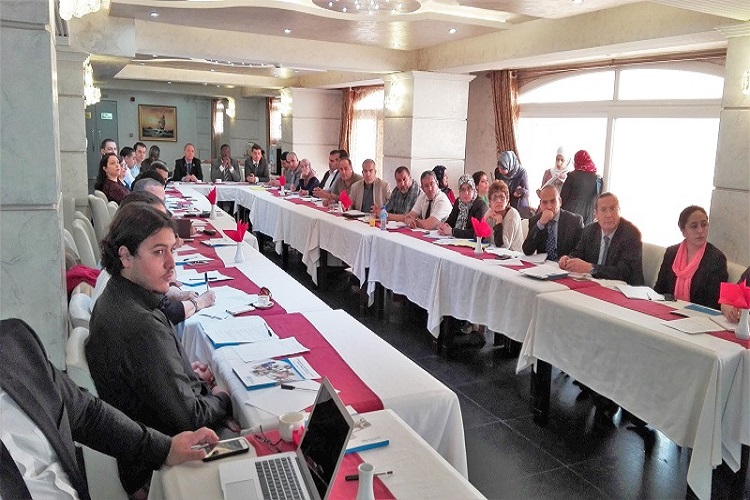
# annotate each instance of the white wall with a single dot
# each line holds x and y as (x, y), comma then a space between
(481, 147)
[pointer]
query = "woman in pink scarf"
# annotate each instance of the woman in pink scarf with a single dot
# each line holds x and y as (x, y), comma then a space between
(581, 187)
(693, 270)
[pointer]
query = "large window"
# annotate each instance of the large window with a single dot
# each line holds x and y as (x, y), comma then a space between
(651, 131)
(366, 139)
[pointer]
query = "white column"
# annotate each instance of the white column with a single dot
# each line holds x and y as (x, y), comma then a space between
(31, 248)
(425, 122)
(311, 123)
(730, 202)
(73, 132)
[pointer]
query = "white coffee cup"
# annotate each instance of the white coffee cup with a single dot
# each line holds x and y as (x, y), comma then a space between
(264, 300)
(289, 423)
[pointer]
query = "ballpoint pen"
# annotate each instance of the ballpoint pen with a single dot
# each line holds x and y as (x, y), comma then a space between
(290, 387)
(355, 477)
(205, 277)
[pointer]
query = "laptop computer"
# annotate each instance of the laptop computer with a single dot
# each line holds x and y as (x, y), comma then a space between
(305, 473)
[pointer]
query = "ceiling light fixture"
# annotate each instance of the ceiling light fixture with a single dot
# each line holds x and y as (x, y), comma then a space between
(78, 8)
(370, 7)
(452, 31)
(287, 30)
(577, 1)
(91, 94)
(154, 14)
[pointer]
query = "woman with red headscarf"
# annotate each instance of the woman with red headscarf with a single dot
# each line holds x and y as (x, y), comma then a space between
(581, 187)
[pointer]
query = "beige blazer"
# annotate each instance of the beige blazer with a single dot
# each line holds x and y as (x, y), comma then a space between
(380, 192)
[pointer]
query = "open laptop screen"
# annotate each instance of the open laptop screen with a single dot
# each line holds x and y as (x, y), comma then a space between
(325, 438)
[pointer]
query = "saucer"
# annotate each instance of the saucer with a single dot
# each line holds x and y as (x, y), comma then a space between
(258, 306)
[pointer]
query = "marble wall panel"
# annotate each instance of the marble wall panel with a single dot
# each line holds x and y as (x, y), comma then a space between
(730, 224)
(438, 138)
(33, 275)
(733, 150)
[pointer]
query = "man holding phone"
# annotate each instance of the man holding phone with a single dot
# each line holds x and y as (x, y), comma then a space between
(42, 412)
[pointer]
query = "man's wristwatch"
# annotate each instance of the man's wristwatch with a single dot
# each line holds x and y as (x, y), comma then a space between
(195, 303)
(593, 270)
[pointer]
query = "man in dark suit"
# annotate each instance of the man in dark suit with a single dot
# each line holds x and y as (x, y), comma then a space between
(610, 247)
(36, 395)
(256, 167)
(552, 230)
(188, 168)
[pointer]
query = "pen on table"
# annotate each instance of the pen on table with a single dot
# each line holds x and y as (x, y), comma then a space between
(290, 387)
(355, 477)
(205, 278)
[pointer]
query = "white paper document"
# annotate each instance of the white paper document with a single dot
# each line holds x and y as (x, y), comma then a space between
(193, 258)
(269, 372)
(549, 271)
(267, 350)
(234, 331)
(392, 224)
(456, 242)
(276, 401)
(504, 252)
(227, 299)
(639, 292)
(504, 262)
(537, 258)
(694, 325)
(193, 278)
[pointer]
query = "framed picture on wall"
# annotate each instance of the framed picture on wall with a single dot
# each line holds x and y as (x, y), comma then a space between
(157, 123)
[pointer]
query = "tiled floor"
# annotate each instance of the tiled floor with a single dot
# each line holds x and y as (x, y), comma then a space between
(509, 456)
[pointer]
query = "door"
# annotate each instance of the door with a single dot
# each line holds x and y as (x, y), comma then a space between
(101, 123)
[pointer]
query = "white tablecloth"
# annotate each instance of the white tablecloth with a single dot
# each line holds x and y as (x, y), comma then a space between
(424, 403)
(678, 383)
(418, 471)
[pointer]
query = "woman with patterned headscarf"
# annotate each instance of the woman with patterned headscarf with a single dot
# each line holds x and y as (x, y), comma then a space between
(510, 171)
(581, 187)
(442, 180)
(467, 205)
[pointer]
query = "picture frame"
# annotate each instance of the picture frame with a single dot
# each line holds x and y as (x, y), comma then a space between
(157, 123)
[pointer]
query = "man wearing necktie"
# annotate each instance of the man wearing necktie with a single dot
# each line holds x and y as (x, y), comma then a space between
(432, 206)
(552, 230)
(610, 247)
(188, 168)
(256, 167)
(225, 168)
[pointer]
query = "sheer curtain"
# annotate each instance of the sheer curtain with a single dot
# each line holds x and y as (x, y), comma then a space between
(366, 136)
(505, 94)
(217, 126)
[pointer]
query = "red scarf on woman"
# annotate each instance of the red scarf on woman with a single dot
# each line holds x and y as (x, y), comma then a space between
(582, 161)
(684, 270)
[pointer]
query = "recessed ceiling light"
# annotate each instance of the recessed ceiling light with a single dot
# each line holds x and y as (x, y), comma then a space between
(212, 70)
(154, 55)
(577, 1)
(287, 30)
(154, 14)
(169, 83)
(452, 31)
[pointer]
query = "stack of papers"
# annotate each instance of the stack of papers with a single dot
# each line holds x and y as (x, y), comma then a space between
(701, 324)
(639, 292)
(191, 277)
(234, 331)
(219, 242)
(193, 258)
(549, 271)
(271, 372)
(364, 437)
(455, 242)
(272, 349)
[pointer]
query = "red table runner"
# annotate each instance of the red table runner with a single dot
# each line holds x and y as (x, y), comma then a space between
(326, 361)
(652, 308)
(342, 489)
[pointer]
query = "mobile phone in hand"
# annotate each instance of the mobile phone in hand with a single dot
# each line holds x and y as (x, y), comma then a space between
(227, 448)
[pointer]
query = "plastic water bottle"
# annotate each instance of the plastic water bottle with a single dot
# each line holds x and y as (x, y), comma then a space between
(383, 219)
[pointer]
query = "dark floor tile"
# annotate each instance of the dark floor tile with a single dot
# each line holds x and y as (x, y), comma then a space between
(494, 450)
(560, 484)
(474, 415)
(503, 397)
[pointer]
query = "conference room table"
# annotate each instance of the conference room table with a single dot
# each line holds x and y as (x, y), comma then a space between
(695, 388)
(418, 471)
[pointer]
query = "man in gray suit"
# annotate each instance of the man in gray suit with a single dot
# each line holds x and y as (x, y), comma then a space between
(552, 231)
(36, 399)
(256, 167)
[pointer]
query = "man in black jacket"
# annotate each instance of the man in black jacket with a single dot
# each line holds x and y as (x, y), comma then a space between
(552, 231)
(36, 395)
(188, 168)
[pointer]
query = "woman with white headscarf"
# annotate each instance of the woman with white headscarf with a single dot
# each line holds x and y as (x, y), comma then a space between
(556, 175)
(467, 205)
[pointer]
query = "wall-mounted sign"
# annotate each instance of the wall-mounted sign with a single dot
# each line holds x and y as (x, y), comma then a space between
(106, 116)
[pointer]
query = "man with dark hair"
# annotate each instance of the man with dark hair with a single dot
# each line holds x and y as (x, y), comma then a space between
(552, 230)
(108, 146)
(345, 181)
(326, 183)
(371, 192)
(432, 206)
(140, 157)
(39, 401)
(153, 173)
(225, 168)
(188, 168)
(610, 247)
(153, 155)
(136, 361)
(403, 196)
(160, 168)
(256, 167)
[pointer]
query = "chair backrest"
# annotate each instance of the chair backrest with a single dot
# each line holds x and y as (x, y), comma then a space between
(101, 470)
(91, 234)
(79, 310)
(735, 271)
(652, 257)
(112, 206)
(101, 195)
(70, 243)
(83, 244)
(100, 213)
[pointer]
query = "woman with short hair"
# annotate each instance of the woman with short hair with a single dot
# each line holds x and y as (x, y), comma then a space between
(504, 220)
